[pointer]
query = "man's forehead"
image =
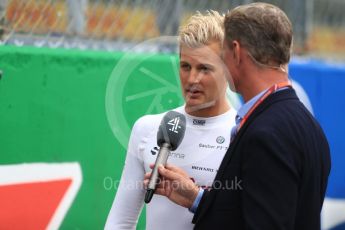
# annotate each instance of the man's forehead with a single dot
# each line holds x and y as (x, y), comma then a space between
(202, 53)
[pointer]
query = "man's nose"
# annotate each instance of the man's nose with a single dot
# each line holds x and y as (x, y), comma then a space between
(194, 77)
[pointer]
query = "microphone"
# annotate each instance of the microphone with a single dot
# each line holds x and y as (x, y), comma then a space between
(169, 137)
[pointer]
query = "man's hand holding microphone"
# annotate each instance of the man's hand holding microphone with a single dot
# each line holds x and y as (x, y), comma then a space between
(168, 180)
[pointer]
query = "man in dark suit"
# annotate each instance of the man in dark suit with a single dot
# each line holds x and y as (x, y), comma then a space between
(274, 175)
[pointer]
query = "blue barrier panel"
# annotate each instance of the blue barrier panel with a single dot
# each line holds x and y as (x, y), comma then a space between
(325, 86)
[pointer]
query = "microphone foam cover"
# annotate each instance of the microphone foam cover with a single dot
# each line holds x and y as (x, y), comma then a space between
(172, 129)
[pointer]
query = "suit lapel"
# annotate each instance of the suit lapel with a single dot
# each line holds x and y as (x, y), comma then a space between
(278, 96)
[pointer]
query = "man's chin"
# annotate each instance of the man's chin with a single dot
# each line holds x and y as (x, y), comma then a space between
(193, 107)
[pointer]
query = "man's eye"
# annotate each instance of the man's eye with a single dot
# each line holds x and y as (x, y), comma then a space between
(185, 67)
(204, 69)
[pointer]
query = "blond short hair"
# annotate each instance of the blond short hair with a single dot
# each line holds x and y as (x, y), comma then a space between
(201, 29)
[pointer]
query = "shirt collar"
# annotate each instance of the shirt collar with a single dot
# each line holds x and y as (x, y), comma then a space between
(249, 104)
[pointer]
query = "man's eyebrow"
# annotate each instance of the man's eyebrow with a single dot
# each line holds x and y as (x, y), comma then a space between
(184, 63)
(209, 66)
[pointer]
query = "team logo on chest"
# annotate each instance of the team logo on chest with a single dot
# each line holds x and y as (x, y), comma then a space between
(155, 150)
(199, 122)
(220, 140)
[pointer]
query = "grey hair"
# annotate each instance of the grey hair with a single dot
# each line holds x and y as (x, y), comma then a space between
(263, 29)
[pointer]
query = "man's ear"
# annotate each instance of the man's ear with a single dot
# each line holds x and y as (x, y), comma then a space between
(237, 51)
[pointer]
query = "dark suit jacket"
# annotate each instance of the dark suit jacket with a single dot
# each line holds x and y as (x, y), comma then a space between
(274, 175)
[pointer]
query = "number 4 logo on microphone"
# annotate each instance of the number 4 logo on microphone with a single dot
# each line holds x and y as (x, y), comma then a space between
(174, 124)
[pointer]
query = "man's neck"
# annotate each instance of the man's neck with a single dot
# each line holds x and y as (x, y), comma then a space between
(261, 81)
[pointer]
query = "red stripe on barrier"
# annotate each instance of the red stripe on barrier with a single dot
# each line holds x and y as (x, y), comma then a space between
(30, 205)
